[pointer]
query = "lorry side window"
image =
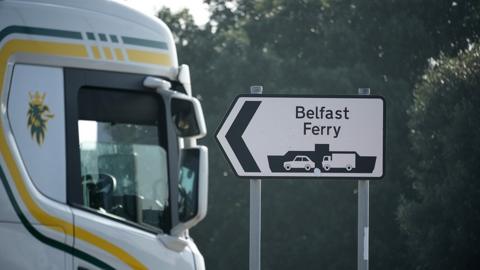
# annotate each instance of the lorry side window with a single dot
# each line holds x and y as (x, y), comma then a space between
(123, 155)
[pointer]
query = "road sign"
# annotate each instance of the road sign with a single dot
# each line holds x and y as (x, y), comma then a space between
(305, 136)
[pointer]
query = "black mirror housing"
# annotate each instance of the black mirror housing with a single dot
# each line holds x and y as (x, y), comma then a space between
(193, 188)
(187, 115)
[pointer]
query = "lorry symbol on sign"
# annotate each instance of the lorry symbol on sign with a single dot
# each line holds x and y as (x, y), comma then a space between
(324, 160)
(339, 160)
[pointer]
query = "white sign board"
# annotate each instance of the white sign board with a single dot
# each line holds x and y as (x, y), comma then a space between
(305, 136)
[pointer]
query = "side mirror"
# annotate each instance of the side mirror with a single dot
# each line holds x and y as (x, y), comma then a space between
(192, 188)
(187, 115)
(186, 111)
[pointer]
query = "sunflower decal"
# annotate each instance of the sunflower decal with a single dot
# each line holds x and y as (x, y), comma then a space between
(38, 115)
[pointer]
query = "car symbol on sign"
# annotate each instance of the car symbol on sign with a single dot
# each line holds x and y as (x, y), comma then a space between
(299, 162)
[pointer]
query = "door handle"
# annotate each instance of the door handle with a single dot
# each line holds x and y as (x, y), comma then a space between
(82, 268)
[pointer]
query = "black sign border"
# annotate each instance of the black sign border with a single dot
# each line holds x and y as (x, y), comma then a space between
(320, 178)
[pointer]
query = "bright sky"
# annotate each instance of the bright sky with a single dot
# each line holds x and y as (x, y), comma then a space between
(197, 8)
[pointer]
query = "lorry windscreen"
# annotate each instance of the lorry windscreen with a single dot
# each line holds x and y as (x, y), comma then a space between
(123, 156)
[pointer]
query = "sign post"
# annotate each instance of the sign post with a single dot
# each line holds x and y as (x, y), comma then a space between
(318, 137)
(255, 212)
(363, 214)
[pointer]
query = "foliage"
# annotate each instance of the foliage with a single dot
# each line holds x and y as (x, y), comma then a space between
(442, 218)
(315, 47)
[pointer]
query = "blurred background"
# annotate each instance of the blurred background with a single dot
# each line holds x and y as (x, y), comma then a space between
(423, 56)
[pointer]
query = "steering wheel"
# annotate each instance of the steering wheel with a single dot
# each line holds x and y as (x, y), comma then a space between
(105, 183)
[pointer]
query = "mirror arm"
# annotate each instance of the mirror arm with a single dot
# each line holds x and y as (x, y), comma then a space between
(189, 142)
(179, 229)
(157, 83)
(174, 243)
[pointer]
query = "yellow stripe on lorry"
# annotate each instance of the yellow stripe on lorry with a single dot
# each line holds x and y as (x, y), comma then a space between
(54, 49)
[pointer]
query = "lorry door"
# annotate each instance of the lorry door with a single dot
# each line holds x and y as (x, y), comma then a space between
(118, 169)
(36, 225)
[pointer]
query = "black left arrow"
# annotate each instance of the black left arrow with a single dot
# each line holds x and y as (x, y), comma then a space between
(234, 136)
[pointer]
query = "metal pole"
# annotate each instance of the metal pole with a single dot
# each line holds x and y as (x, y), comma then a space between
(363, 214)
(255, 211)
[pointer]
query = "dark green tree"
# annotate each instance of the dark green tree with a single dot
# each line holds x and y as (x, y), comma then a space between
(441, 217)
(314, 47)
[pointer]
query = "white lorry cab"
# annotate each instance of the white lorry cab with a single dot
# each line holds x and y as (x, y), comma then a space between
(99, 166)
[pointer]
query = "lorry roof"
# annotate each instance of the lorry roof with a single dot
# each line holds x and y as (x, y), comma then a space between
(115, 36)
(110, 7)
